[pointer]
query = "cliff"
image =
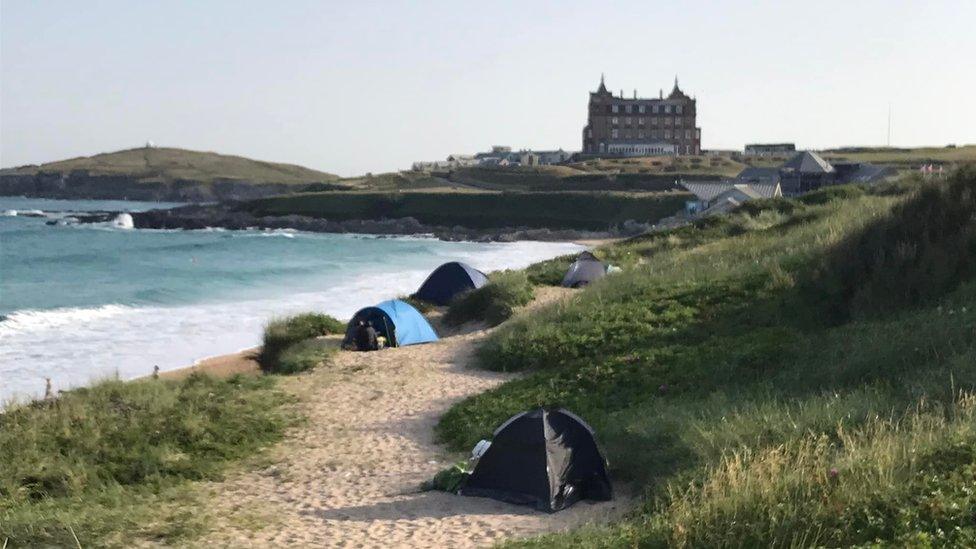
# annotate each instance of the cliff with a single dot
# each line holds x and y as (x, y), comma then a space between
(162, 174)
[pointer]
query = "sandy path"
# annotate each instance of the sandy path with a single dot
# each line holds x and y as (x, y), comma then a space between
(349, 476)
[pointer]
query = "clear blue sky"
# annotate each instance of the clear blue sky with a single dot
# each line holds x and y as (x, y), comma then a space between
(372, 86)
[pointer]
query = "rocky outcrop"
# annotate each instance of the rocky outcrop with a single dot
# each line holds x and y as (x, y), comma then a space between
(228, 217)
(81, 185)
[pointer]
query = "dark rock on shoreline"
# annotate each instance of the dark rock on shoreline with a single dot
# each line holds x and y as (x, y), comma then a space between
(227, 217)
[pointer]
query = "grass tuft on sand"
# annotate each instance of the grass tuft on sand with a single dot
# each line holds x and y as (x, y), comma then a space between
(492, 303)
(286, 350)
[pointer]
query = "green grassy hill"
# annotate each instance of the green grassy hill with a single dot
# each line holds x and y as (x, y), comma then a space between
(799, 373)
(159, 164)
(480, 210)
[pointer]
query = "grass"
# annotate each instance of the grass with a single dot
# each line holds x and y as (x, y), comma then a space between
(111, 464)
(891, 156)
(492, 303)
(304, 355)
(286, 349)
(562, 210)
(169, 164)
(728, 374)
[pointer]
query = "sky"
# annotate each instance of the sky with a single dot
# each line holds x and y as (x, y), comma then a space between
(356, 87)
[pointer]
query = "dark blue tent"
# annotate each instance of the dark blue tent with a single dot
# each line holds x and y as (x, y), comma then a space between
(449, 280)
(400, 323)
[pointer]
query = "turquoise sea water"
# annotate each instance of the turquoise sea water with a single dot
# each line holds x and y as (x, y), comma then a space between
(82, 302)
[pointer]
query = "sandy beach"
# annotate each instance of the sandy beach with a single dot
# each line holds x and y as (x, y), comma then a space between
(349, 475)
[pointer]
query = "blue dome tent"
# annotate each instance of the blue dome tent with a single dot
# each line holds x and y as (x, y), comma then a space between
(449, 280)
(400, 323)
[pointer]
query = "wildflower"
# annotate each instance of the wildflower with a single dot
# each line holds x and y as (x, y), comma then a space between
(663, 388)
(833, 472)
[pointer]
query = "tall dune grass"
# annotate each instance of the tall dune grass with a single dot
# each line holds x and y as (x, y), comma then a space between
(110, 463)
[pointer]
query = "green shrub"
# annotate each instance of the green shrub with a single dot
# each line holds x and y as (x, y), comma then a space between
(781, 205)
(549, 272)
(282, 333)
(419, 304)
(833, 192)
(304, 355)
(492, 303)
(111, 460)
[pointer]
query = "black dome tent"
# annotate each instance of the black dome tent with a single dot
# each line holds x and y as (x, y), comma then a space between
(449, 280)
(548, 459)
(586, 269)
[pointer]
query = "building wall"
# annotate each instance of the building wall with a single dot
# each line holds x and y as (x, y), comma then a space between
(616, 119)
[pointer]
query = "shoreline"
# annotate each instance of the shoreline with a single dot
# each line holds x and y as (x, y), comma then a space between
(219, 366)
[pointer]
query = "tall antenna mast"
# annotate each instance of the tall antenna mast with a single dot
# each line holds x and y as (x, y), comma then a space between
(889, 124)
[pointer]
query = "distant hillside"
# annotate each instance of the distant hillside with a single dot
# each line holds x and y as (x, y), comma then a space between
(151, 173)
(653, 174)
(152, 164)
(899, 158)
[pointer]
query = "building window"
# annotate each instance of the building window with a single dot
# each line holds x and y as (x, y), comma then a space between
(655, 134)
(614, 121)
(589, 133)
(614, 133)
(640, 121)
(667, 109)
(627, 121)
(640, 135)
(654, 121)
(654, 109)
(677, 109)
(627, 109)
(667, 121)
(687, 134)
(626, 135)
(677, 121)
(667, 134)
(641, 109)
(615, 108)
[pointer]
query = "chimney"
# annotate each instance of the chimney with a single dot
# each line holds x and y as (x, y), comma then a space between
(621, 93)
(660, 93)
(635, 93)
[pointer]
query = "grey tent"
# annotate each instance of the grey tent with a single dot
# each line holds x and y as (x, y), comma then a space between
(583, 271)
(548, 459)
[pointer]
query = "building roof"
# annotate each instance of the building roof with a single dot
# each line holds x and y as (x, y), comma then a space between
(807, 162)
(710, 190)
(765, 145)
(862, 172)
(676, 92)
(755, 174)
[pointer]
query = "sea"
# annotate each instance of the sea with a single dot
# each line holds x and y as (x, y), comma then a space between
(80, 303)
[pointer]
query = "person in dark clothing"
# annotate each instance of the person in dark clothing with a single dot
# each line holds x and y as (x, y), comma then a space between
(366, 337)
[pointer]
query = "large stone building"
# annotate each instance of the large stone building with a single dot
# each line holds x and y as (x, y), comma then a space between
(620, 126)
